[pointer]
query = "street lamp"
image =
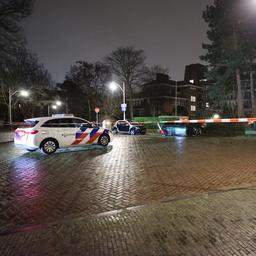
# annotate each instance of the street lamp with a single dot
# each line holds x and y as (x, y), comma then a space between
(58, 103)
(22, 93)
(54, 106)
(113, 86)
(176, 83)
(216, 116)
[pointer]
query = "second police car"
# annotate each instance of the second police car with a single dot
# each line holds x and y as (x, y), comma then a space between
(58, 131)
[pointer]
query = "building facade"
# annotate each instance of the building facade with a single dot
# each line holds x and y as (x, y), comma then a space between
(163, 96)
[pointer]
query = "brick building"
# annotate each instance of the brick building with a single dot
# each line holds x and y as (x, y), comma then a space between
(162, 95)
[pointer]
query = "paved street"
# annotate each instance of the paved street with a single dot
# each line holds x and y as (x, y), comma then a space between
(218, 224)
(81, 184)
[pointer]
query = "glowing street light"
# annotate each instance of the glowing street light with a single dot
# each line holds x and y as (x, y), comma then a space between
(113, 86)
(55, 105)
(216, 116)
(22, 93)
(58, 103)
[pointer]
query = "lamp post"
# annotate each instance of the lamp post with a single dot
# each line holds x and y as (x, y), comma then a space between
(113, 87)
(23, 93)
(176, 97)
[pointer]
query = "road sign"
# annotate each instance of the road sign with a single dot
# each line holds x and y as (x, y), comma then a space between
(123, 107)
(97, 110)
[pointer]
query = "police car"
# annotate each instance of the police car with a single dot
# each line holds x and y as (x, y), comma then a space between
(58, 131)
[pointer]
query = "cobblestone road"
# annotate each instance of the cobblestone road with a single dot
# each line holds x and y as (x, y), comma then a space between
(133, 171)
(215, 224)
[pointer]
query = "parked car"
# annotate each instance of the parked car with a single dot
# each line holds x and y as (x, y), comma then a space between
(59, 131)
(181, 129)
(124, 126)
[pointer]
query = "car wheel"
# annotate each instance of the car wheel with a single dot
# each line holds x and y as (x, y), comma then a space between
(103, 140)
(194, 132)
(199, 132)
(49, 146)
(114, 131)
(132, 132)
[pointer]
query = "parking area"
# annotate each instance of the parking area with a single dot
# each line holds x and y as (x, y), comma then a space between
(132, 171)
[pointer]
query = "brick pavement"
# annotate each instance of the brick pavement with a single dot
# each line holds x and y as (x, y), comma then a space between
(215, 224)
(135, 170)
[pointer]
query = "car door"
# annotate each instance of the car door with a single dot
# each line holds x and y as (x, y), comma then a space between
(69, 129)
(83, 132)
(51, 129)
(123, 126)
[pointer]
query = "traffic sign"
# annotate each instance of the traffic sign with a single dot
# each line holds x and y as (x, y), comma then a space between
(123, 106)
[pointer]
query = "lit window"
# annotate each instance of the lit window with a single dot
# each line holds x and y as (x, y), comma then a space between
(191, 81)
(207, 104)
(193, 98)
(193, 108)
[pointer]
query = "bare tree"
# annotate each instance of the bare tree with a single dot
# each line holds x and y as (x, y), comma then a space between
(111, 106)
(11, 34)
(91, 78)
(23, 71)
(127, 64)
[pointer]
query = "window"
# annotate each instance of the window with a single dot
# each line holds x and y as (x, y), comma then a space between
(207, 104)
(52, 123)
(79, 123)
(123, 123)
(193, 98)
(30, 123)
(60, 123)
(193, 108)
(66, 123)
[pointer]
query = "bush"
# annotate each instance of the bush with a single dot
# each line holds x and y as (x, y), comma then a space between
(224, 129)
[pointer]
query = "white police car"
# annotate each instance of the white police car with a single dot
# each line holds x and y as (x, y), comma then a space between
(58, 131)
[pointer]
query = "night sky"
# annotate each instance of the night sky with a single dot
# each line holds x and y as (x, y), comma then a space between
(170, 32)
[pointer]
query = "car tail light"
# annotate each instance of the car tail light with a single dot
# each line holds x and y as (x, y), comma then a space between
(33, 132)
(27, 132)
(162, 132)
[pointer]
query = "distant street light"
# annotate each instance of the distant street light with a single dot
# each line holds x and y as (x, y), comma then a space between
(22, 93)
(113, 86)
(54, 106)
(58, 103)
(216, 116)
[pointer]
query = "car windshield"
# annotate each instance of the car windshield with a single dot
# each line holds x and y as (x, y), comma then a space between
(29, 123)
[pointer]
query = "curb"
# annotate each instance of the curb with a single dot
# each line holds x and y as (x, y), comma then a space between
(6, 137)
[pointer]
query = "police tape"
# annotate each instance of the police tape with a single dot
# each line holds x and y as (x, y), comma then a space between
(225, 120)
(202, 121)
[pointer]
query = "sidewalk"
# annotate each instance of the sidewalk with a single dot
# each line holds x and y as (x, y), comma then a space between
(220, 223)
(6, 136)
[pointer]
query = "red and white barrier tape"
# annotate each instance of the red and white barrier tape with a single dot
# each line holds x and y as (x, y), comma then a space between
(227, 120)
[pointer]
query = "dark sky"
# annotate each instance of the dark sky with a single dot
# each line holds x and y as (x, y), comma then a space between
(170, 32)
